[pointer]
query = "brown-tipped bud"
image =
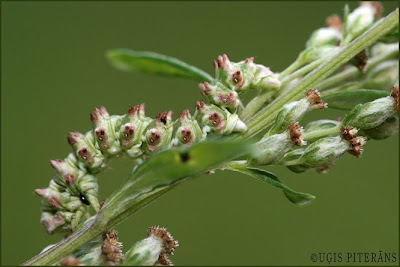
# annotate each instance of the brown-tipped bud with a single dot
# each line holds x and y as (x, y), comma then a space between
(222, 61)
(334, 21)
(134, 111)
(220, 95)
(111, 248)
(350, 134)
(314, 98)
(169, 243)
(200, 105)
(74, 137)
(70, 261)
(323, 169)
(102, 137)
(51, 196)
(65, 170)
(295, 133)
(51, 221)
(85, 155)
(154, 137)
(98, 115)
(395, 95)
(188, 130)
(249, 60)
(377, 6)
(360, 60)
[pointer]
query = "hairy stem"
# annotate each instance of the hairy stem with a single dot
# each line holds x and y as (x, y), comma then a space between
(255, 104)
(268, 114)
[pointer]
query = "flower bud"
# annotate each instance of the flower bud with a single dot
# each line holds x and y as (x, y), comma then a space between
(361, 19)
(218, 120)
(325, 151)
(313, 53)
(89, 157)
(295, 110)
(385, 130)
(372, 114)
(159, 134)
(220, 95)
(91, 254)
(325, 36)
(188, 131)
(132, 129)
(271, 149)
(104, 131)
(152, 250)
(383, 75)
(380, 49)
(245, 74)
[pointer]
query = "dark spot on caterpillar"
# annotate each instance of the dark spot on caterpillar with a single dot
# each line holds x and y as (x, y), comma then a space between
(83, 199)
(184, 156)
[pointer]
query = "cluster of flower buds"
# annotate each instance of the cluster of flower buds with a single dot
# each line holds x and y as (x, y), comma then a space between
(73, 187)
(231, 77)
(272, 148)
(295, 110)
(373, 114)
(153, 250)
(361, 19)
(111, 248)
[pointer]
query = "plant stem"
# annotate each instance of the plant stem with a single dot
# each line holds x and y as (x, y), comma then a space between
(302, 71)
(255, 104)
(353, 72)
(294, 66)
(267, 116)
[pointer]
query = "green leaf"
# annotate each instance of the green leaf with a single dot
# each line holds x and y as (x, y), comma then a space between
(349, 99)
(153, 63)
(266, 176)
(165, 170)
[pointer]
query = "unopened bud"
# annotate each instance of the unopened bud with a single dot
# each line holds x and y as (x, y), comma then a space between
(380, 49)
(361, 19)
(295, 110)
(218, 120)
(132, 130)
(382, 76)
(85, 150)
(325, 36)
(372, 114)
(159, 136)
(188, 131)
(152, 250)
(271, 149)
(385, 130)
(313, 53)
(104, 133)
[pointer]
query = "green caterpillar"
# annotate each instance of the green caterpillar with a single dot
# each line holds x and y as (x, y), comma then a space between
(74, 187)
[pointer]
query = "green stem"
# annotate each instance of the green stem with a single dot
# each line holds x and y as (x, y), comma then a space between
(294, 66)
(300, 72)
(255, 104)
(353, 72)
(268, 114)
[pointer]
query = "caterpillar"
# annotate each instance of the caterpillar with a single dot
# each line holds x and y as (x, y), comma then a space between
(73, 188)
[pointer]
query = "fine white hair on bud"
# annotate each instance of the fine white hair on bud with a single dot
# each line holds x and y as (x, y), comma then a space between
(272, 148)
(372, 114)
(153, 250)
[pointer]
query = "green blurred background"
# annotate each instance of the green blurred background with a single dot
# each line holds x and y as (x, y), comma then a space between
(54, 73)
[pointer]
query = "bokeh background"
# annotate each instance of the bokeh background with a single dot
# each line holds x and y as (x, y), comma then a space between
(54, 73)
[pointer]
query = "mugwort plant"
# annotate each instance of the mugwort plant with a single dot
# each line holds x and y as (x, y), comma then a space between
(350, 64)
